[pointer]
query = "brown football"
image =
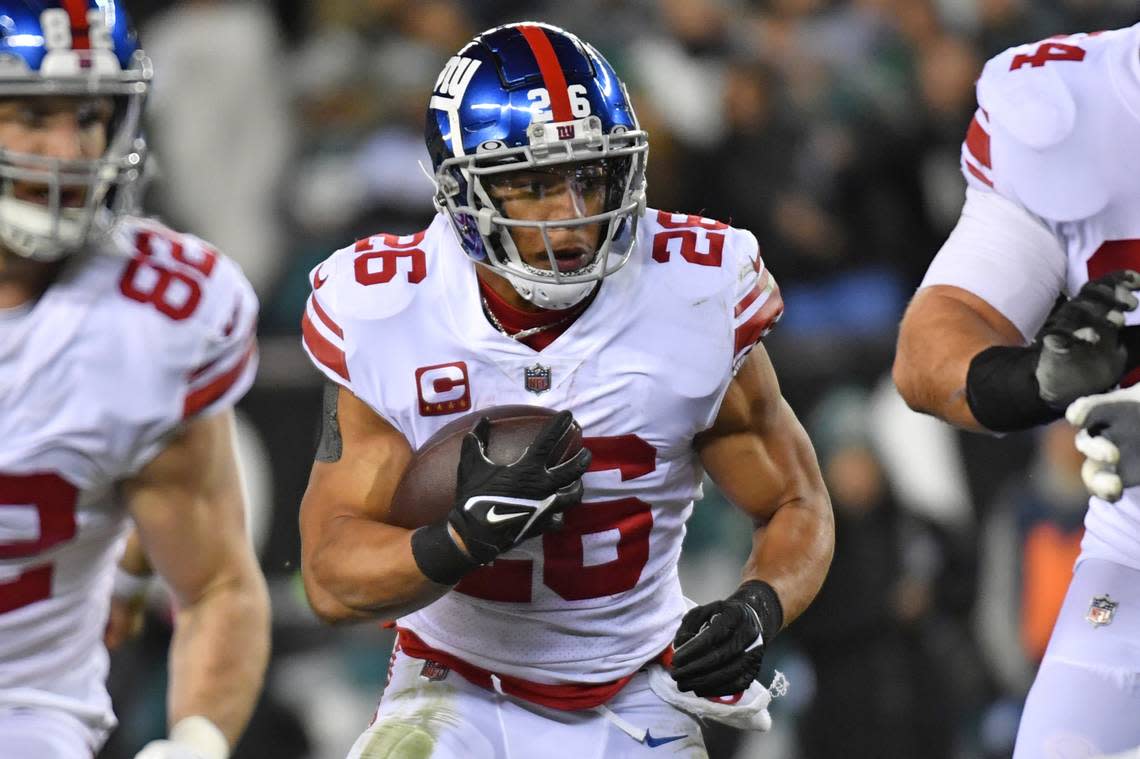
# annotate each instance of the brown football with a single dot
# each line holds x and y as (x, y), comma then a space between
(427, 489)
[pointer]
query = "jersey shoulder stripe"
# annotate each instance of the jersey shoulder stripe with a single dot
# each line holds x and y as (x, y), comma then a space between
(374, 278)
(1048, 110)
(203, 394)
(324, 341)
(708, 258)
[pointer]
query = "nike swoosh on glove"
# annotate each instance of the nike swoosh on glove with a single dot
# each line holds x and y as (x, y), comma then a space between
(498, 506)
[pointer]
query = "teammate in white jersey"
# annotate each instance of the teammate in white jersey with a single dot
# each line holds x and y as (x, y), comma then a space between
(544, 280)
(1052, 209)
(123, 347)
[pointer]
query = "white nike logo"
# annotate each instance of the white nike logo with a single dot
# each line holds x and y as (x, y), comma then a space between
(493, 516)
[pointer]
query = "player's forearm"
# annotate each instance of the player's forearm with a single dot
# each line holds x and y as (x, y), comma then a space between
(792, 552)
(219, 653)
(938, 339)
(363, 569)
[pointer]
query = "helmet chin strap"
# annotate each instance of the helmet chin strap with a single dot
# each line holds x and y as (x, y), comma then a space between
(29, 230)
(555, 297)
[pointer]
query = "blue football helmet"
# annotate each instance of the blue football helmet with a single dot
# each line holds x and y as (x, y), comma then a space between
(532, 100)
(70, 48)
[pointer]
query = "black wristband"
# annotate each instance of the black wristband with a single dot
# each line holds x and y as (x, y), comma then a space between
(763, 599)
(437, 555)
(1002, 391)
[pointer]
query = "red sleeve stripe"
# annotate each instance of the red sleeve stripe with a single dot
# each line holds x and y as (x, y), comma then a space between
(325, 318)
(978, 173)
(198, 399)
(752, 295)
(747, 300)
(760, 322)
(978, 143)
(321, 349)
(197, 373)
(551, 70)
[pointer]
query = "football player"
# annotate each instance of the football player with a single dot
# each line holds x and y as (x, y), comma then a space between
(123, 347)
(1024, 311)
(541, 614)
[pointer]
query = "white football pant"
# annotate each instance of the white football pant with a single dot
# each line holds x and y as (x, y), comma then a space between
(453, 719)
(1085, 701)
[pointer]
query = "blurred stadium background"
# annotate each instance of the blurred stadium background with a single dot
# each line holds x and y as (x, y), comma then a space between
(831, 128)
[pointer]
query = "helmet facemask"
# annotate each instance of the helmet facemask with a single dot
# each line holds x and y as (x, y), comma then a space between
(594, 179)
(54, 227)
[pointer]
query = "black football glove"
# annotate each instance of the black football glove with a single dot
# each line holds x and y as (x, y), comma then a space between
(1079, 351)
(499, 505)
(719, 646)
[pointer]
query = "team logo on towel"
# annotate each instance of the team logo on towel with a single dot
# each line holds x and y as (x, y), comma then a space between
(1101, 610)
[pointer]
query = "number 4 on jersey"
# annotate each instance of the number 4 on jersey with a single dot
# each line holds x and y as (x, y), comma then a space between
(1048, 51)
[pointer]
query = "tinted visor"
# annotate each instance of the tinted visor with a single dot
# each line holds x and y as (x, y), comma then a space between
(567, 191)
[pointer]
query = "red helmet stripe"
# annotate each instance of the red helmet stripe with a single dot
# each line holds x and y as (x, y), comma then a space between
(77, 10)
(551, 69)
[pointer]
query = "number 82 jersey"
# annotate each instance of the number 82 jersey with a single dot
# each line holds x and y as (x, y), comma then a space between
(133, 339)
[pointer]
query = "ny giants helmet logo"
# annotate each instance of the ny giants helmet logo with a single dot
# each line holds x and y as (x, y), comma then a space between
(449, 89)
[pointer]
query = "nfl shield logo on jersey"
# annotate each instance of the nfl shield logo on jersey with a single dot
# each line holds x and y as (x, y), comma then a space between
(434, 671)
(1101, 610)
(537, 378)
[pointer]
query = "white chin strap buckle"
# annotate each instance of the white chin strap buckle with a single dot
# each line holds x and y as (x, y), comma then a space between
(555, 297)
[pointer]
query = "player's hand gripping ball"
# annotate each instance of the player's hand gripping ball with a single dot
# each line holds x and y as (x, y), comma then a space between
(494, 483)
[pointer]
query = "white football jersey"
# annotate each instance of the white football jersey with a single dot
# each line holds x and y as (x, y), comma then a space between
(1052, 159)
(399, 322)
(151, 329)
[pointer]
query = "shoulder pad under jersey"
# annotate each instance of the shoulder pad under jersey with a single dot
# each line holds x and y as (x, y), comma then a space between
(1046, 110)
(203, 304)
(373, 279)
(710, 259)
